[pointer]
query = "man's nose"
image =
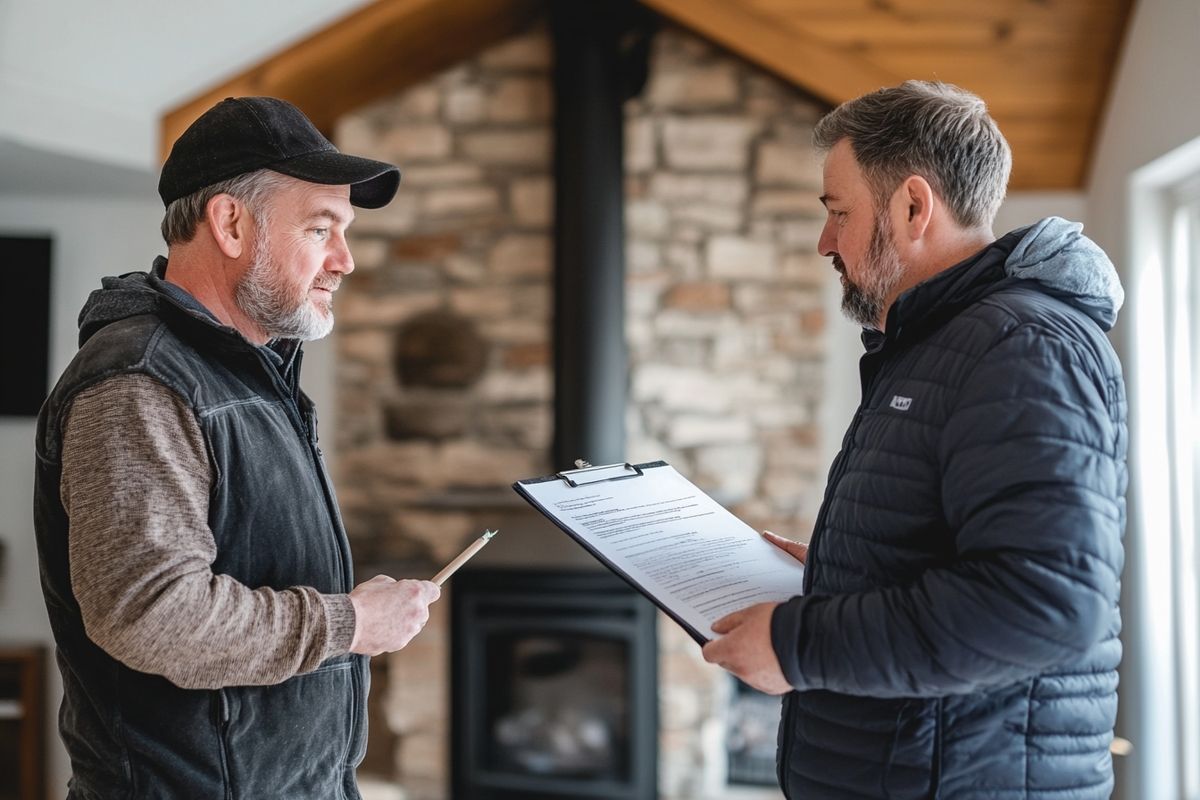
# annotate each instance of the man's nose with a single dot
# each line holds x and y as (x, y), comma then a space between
(340, 260)
(827, 244)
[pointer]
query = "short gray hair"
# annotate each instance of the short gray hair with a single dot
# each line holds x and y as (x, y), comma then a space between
(254, 189)
(935, 130)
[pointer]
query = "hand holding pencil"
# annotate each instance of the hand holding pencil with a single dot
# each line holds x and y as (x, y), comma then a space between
(464, 557)
(388, 613)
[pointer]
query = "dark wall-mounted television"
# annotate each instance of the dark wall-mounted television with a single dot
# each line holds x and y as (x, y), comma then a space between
(24, 324)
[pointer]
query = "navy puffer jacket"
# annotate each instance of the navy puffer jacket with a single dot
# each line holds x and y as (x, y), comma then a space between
(958, 633)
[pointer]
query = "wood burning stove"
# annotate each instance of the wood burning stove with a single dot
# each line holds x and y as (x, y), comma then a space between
(554, 687)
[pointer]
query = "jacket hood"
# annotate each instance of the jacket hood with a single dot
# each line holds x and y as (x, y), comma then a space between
(117, 298)
(1055, 253)
(131, 295)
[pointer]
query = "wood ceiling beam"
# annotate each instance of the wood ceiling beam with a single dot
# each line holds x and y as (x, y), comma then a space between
(831, 73)
(1047, 99)
(373, 52)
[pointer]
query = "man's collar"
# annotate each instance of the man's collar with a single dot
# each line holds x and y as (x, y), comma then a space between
(943, 293)
(281, 352)
(181, 296)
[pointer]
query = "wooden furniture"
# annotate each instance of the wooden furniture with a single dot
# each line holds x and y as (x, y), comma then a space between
(22, 715)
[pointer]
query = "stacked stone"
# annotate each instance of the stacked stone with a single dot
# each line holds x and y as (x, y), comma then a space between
(444, 384)
(443, 374)
(725, 328)
(443, 338)
(725, 311)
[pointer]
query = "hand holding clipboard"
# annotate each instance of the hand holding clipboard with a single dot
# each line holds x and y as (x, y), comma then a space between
(667, 539)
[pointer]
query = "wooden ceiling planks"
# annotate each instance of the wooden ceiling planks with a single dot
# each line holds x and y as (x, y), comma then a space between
(1043, 66)
(370, 53)
(826, 71)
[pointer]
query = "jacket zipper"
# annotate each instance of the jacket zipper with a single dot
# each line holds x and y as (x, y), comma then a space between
(872, 362)
(810, 571)
(783, 759)
(342, 543)
(785, 750)
(834, 479)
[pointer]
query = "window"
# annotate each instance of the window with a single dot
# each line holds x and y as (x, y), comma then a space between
(1165, 426)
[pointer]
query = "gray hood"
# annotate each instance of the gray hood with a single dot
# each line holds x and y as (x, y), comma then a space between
(1056, 254)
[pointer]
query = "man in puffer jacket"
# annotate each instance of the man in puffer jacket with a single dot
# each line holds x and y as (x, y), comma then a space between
(957, 632)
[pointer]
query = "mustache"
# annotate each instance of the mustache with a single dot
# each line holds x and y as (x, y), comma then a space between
(838, 264)
(331, 283)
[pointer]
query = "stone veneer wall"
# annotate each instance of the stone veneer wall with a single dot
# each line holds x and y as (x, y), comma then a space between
(444, 383)
(726, 317)
(725, 328)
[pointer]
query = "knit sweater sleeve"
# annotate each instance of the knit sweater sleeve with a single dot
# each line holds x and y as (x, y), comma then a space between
(135, 485)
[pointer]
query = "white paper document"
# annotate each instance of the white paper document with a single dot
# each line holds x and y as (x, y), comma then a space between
(670, 540)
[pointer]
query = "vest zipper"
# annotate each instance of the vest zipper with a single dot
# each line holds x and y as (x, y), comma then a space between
(308, 429)
(939, 708)
(300, 420)
(342, 544)
(223, 739)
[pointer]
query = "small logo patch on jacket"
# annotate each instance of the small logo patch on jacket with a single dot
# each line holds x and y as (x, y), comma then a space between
(900, 403)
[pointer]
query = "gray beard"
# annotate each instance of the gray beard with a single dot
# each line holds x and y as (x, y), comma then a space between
(882, 270)
(275, 307)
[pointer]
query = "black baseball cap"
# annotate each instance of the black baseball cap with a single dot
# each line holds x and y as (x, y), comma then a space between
(244, 134)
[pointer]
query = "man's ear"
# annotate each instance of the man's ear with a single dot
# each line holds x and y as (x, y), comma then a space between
(230, 224)
(916, 199)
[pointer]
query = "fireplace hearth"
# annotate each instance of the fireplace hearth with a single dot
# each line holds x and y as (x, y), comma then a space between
(555, 687)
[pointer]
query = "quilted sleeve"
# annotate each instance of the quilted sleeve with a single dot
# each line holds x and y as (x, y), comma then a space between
(1032, 480)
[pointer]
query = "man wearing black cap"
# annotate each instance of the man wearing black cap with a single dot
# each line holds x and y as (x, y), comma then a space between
(194, 564)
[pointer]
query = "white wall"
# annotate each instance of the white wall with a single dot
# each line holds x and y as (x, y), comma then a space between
(92, 79)
(1152, 110)
(1025, 208)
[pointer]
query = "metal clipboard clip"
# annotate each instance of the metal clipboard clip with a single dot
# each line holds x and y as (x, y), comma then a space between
(587, 474)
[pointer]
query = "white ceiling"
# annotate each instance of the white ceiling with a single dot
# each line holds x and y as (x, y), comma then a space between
(26, 170)
(89, 79)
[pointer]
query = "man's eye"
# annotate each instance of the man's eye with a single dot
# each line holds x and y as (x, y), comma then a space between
(321, 233)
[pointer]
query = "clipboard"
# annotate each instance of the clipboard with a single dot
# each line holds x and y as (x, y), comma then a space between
(779, 567)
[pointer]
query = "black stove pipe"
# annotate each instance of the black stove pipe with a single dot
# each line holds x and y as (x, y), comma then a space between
(594, 59)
